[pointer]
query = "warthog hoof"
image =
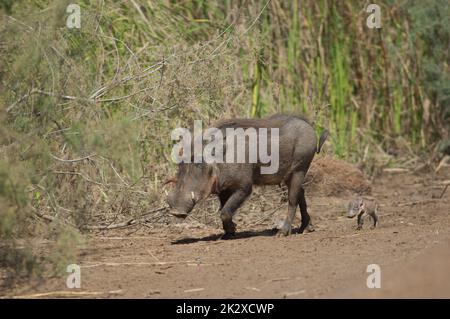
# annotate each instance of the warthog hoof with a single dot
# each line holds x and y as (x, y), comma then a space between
(228, 225)
(285, 230)
(227, 236)
(229, 228)
(308, 228)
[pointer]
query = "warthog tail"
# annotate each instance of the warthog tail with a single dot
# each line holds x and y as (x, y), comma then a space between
(322, 139)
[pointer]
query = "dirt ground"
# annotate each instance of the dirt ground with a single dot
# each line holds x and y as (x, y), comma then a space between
(188, 260)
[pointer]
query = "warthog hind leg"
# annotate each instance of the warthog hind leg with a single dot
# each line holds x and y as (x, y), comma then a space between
(294, 195)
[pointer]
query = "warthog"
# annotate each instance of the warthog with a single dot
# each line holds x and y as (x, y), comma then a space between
(233, 182)
(362, 206)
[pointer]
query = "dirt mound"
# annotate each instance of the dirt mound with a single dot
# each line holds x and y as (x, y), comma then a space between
(330, 176)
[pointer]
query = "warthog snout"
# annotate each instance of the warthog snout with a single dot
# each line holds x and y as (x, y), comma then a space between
(178, 214)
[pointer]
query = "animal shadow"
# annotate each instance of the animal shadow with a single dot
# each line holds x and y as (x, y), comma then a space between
(238, 235)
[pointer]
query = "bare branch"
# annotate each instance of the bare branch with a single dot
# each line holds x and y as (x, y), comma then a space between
(72, 160)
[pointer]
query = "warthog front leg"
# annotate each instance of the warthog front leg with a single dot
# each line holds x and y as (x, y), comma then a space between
(361, 220)
(229, 208)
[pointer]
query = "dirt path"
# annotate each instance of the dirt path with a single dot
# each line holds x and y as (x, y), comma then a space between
(410, 245)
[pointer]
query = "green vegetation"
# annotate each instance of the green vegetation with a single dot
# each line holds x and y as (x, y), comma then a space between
(86, 114)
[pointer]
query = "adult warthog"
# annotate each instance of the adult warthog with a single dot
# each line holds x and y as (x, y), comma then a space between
(296, 144)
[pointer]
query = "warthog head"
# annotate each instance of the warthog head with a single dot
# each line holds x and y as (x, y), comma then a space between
(193, 183)
(355, 207)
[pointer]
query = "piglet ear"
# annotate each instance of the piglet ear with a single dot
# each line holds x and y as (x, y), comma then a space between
(170, 180)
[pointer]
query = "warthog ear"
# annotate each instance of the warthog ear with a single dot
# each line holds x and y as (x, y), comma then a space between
(170, 180)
